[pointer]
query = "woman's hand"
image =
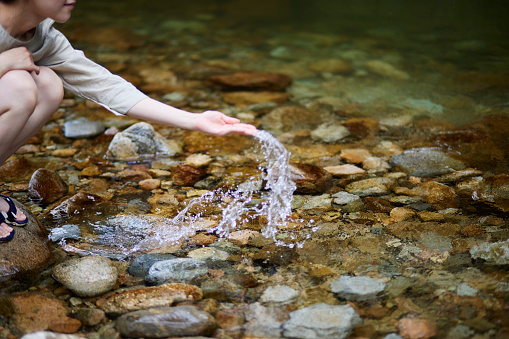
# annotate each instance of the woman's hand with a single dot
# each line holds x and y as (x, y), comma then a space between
(217, 123)
(18, 58)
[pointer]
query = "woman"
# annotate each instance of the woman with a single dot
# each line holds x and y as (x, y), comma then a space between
(37, 62)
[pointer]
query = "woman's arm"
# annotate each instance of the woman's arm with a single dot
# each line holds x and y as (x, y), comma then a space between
(211, 122)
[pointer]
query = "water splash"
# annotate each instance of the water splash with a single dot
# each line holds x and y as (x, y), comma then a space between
(238, 206)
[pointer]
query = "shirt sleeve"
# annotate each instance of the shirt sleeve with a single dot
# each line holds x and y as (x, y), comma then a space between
(86, 78)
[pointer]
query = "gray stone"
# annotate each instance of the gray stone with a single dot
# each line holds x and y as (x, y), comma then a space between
(141, 265)
(465, 290)
(176, 270)
(264, 322)
(65, 232)
(426, 162)
(141, 140)
(280, 294)
(321, 321)
(393, 336)
(180, 321)
(357, 288)
(460, 332)
(330, 133)
(83, 128)
(494, 253)
(345, 198)
(87, 276)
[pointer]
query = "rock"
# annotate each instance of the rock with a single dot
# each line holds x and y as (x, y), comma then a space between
(208, 253)
(437, 194)
(255, 81)
(321, 321)
(355, 155)
(49, 335)
(75, 204)
(150, 297)
(283, 119)
(90, 316)
(330, 133)
(25, 255)
(415, 328)
(312, 179)
(460, 331)
(149, 184)
(465, 290)
(180, 321)
(141, 140)
(264, 322)
(370, 187)
(87, 276)
(338, 66)
(65, 325)
(176, 270)
(279, 294)
(324, 201)
(83, 128)
(426, 162)
(141, 265)
(65, 232)
(198, 160)
(252, 98)
(375, 165)
(356, 288)
(222, 289)
(186, 175)
(494, 253)
(347, 170)
(385, 69)
(18, 169)
(46, 186)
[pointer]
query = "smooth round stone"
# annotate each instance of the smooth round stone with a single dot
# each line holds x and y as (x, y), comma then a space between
(87, 276)
(176, 270)
(321, 321)
(141, 265)
(180, 321)
(357, 288)
(280, 294)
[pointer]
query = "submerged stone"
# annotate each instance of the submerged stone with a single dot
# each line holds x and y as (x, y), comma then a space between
(176, 270)
(279, 294)
(357, 288)
(494, 253)
(252, 81)
(321, 321)
(141, 265)
(426, 162)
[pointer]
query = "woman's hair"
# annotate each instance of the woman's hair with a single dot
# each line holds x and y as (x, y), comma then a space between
(7, 1)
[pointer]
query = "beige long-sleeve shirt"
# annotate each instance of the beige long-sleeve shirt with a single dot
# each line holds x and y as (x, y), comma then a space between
(79, 74)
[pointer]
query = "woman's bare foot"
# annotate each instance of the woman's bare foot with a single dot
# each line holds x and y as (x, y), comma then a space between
(4, 207)
(5, 230)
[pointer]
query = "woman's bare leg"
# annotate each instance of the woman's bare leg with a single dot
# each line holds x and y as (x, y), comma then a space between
(27, 102)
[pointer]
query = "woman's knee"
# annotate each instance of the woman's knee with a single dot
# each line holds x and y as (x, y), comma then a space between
(49, 86)
(19, 91)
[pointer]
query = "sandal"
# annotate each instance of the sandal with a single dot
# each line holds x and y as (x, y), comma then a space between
(11, 235)
(9, 217)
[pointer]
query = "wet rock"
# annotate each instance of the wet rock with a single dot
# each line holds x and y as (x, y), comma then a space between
(321, 321)
(370, 187)
(150, 297)
(426, 162)
(264, 322)
(348, 202)
(347, 170)
(279, 294)
(251, 98)
(65, 232)
(46, 186)
(460, 332)
(26, 254)
(338, 66)
(198, 160)
(18, 169)
(83, 128)
(222, 288)
(87, 276)
(90, 316)
(208, 253)
(290, 118)
(378, 205)
(75, 204)
(435, 242)
(186, 175)
(355, 155)
(385, 69)
(375, 165)
(415, 328)
(459, 176)
(255, 81)
(494, 253)
(437, 194)
(176, 270)
(141, 265)
(150, 184)
(141, 140)
(357, 288)
(27, 315)
(312, 179)
(49, 335)
(231, 320)
(320, 201)
(65, 325)
(465, 289)
(330, 133)
(197, 142)
(180, 321)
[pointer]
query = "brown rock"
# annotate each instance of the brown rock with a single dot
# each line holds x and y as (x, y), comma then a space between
(46, 186)
(249, 98)
(230, 319)
(355, 155)
(415, 328)
(133, 175)
(378, 204)
(90, 316)
(339, 66)
(311, 179)
(76, 204)
(197, 142)
(255, 81)
(150, 184)
(437, 194)
(290, 118)
(90, 171)
(17, 170)
(65, 325)
(185, 175)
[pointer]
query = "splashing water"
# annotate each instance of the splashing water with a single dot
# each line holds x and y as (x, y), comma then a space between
(238, 206)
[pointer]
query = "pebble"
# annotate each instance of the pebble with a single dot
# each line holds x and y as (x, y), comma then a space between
(357, 288)
(179, 321)
(370, 187)
(90, 316)
(348, 170)
(355, 155)
(183, 270)
(142, 263)
(280, 294)
(321, 321)
(87, 276)
(149, 184)
(385, 69)
(330, 133)
(83, 128)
